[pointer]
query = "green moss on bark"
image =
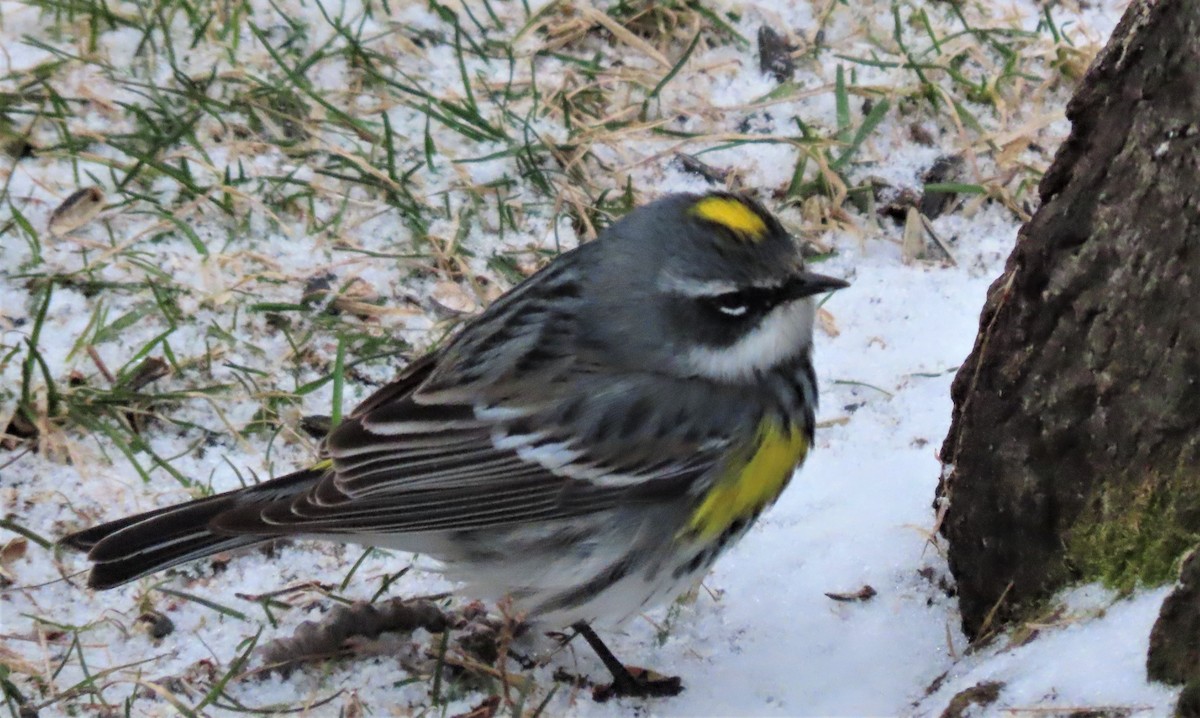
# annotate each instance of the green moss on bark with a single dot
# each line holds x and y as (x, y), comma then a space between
(1135, 532)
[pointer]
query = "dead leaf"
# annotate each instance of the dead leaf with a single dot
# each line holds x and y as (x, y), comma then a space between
(13, 550)
(827, 323)
(866, 593)
(75, 211)
(452, 298)
(912, 246)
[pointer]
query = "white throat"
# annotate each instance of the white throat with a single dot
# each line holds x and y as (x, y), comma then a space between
(782, 334)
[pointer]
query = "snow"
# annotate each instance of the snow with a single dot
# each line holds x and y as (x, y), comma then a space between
(761, 637)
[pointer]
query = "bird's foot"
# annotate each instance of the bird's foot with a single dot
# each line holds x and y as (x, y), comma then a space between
(636, 682)
(628, 681)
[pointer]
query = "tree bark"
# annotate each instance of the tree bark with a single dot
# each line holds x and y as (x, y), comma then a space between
(1072, 454)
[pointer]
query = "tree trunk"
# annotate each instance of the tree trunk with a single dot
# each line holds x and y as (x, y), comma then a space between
(1073, 451)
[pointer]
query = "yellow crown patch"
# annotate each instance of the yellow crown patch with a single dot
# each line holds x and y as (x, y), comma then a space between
(732, 214)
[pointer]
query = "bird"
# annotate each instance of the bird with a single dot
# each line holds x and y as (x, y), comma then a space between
(584, 448)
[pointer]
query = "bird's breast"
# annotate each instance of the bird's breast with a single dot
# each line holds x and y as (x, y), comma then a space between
(751, 480)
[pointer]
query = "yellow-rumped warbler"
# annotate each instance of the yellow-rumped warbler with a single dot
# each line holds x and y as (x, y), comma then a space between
(586, 447)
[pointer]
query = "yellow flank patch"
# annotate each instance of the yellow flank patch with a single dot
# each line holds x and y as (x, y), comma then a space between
(322, 465)
(733, 215)
(751, 483)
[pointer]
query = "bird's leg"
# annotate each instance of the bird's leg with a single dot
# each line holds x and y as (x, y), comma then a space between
(627, 680)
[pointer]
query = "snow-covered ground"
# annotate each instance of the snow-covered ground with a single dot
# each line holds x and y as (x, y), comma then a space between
(761, 637)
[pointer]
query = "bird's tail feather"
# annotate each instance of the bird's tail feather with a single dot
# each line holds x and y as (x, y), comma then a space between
(135, 546)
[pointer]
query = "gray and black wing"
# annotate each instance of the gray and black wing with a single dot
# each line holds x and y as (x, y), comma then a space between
(508, 424)
(410, 465)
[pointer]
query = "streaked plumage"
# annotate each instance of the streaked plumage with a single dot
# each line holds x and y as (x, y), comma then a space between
(587, 446)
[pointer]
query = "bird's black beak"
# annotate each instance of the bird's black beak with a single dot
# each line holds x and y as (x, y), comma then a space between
(806, 284)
